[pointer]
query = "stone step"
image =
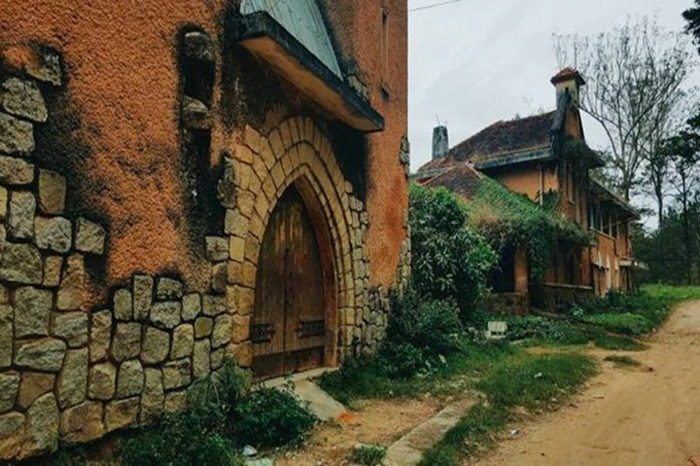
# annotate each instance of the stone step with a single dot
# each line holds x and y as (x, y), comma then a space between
(408, 450)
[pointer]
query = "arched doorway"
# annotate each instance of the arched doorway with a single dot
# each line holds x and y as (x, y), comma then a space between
(290, 321)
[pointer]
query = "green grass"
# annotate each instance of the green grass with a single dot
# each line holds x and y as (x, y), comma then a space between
(368, 455)
(626, 323)
(366, 378)
(621, 360)
(533, 382)
(618, 343)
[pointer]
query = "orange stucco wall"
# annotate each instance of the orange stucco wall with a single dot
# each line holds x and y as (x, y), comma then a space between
(387, 195)
(114, 124)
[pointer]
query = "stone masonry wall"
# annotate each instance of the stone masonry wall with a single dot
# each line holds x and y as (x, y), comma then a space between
(71, 372)
(68, 373)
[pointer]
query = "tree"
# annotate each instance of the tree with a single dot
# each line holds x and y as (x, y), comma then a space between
(683, 151)
(692, 16)
(633, 73)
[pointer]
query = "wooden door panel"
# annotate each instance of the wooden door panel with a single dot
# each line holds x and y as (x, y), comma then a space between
(267, 324)
(305, 293)
(288, 325)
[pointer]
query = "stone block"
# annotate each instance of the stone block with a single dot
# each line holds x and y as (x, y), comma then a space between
(45, 354)
(156, 344)
(121, 413)
(130, 379)
(166, 314)
(183, 341)
(11, 434)
(40, 63)
(237, 248)
(89, 237)
(175, 401)
(53, 266)
(71, 327)
(9, 388)
(200, 359)
(191, 307)
(34, 385)
(41, 427)
(213, 305)
(123, 305)
(203, 327)
(241, 328)
(71, 386)
(168, 289)
(126, 343)
(217, 359)
(71, 293)
(102, 381)
(198, 46)
(153, 395)
(195, 114)
(32, 311)
(221, 334)
(177, 374)
(143, 296)
(52, 192)
(100, 334)
(16, 136)
(82, 423)
(216, 247)
(23, 98)
(21, 219)
(54, 233)
(226, 186)
(15, 172)
(219, 277)
(6, 341)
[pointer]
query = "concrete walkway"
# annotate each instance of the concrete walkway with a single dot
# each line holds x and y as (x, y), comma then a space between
(408, 450)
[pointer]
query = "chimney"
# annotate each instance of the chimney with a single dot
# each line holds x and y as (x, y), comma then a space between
(441, 145)
(569, 81)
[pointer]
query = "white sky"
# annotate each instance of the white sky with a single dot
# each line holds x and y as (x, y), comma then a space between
(475, 62)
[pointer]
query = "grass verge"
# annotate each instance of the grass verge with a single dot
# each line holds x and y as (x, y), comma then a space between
(533, 382)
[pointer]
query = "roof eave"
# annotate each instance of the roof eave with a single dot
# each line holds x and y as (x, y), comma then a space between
(264, 37)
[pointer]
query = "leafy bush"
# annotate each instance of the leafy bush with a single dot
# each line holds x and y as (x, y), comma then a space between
(272, 418)
(368, 455)
(418, 333)
(449, 260)
(221, 415)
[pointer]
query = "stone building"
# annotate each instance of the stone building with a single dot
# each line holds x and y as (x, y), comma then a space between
(186, 180)
(545, 158)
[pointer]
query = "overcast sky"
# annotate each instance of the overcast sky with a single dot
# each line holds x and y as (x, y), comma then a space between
(475, 62)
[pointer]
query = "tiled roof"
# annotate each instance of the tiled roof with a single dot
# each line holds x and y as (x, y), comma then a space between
(462, 179)
(500, 139)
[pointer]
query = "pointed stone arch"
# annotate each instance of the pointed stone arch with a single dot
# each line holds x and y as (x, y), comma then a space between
(297, 153)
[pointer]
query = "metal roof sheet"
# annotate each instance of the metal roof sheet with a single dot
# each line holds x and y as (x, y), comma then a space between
(303, 20)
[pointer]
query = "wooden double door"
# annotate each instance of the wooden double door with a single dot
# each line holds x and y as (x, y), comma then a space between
(288, 329)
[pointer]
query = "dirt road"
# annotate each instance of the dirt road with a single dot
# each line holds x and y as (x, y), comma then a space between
(628, 417)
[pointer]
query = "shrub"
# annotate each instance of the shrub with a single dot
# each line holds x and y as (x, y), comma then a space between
(418, 332)
(272, 418)
(368, 455)
(221, 415)
(449, 260)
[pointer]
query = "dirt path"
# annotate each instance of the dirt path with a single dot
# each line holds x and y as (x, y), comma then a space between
(626, 416)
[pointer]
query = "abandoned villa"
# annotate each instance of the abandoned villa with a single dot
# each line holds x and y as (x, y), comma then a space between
(185, 181)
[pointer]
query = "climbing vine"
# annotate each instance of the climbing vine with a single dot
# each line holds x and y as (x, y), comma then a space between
(505, 218)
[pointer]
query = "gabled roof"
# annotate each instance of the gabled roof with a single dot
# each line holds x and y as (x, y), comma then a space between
(503, 141)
